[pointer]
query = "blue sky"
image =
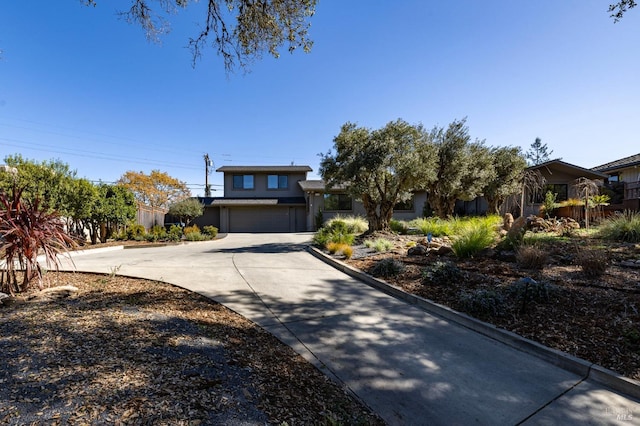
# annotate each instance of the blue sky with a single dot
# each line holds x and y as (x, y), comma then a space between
(81, 85)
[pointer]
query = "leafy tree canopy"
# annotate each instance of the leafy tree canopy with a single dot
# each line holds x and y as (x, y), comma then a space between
(617, 10)
(508, 164)
(239, 30)
(186, 210)
(462, 168)
(47, 181)
(379, 167)
(158, 189)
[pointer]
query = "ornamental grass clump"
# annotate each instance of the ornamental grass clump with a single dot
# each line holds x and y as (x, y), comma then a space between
(473, 238)
(623, 227)
(335, 231)
(531, 257)
(387, 268)
(593, 262)
(379, 244)
(29, 229)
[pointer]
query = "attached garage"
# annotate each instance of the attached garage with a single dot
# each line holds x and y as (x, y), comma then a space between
(262, 215)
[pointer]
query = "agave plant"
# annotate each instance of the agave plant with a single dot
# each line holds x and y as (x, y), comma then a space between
(26, 231)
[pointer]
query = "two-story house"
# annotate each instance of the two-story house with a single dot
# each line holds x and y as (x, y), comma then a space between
(258, 199)
(624, 174)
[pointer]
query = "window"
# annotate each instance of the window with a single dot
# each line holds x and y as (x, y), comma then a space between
(277, 182)
(337, 202)
(406, 205)
(560, 189)
(243, 182)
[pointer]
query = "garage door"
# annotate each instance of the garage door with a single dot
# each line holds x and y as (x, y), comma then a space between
(264, 219)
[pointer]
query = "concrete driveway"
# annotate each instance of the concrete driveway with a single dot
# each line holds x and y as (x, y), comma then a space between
(409, 366)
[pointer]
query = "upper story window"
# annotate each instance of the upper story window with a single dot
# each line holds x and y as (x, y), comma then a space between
(243, 182)
(337, 202)
(277, 182)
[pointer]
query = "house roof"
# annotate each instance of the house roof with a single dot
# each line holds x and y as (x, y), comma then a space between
(623, 163)
(258, 201)
(263, 169)
(570, 168)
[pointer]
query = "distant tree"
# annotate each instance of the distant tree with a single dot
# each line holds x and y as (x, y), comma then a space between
(186, 210)
(239, 30)
(538, 153)
(114, 205)
(47, 181)
(379, 167)
(462, 168)
(508, 164)
(617, 10)
(158, 189)
(81, 203)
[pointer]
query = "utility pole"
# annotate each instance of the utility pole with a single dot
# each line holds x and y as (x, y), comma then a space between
(207, 163)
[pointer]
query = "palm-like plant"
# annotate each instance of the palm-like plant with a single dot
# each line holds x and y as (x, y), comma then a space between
(28, 229)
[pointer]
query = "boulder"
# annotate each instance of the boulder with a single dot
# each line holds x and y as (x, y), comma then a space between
(417, 250)
(443, 251)
(518, 228)
(507, 221)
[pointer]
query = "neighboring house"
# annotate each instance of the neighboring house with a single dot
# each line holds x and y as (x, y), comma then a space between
(625, 175)
(560, 178)
(258, 199)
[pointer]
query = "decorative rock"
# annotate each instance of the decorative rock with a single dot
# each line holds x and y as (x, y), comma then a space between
(443, 251)
(507, 221)
(59, 292)
(518, 228)
(418, 250)
(4, 298)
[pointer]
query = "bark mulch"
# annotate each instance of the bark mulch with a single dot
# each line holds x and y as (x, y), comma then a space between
(128, 351)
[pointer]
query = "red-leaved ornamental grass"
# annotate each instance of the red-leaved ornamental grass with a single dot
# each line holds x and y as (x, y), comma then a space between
(26, 231)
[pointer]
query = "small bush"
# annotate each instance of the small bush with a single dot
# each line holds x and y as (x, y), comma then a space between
(210, 230)
(335, 231)
(528, 290)
(399, 226)
(191, 229)
(473, 239)
(440, 272)
(434, 226)
(482, 303)
(593, 262)
(195, 236)
(379, 244)
(531, 257)
(337, 248)
(174, 233)
(387, 268)
(622, 227)
(135, 231)
(354, 224)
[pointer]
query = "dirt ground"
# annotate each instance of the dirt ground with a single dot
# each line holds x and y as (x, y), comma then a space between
(124, 351)
(592, 317)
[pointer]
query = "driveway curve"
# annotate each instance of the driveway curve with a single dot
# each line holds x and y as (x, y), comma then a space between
(409, 366)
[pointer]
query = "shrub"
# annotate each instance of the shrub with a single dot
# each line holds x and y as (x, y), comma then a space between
(549, 203)
(622, 227)
(174, 233)
(337, 248)
(593, 262)
(531, 257)
(354, 224)
(441, 273)
(399, 226)
(210, 230)
(26, 231)
(388, 267)
(191, 229)
(482, 303)
(528, 290)
(472, 239)
(135, 231)
(379, 244)
(195, 236)
(434, 226)
(335, 231)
